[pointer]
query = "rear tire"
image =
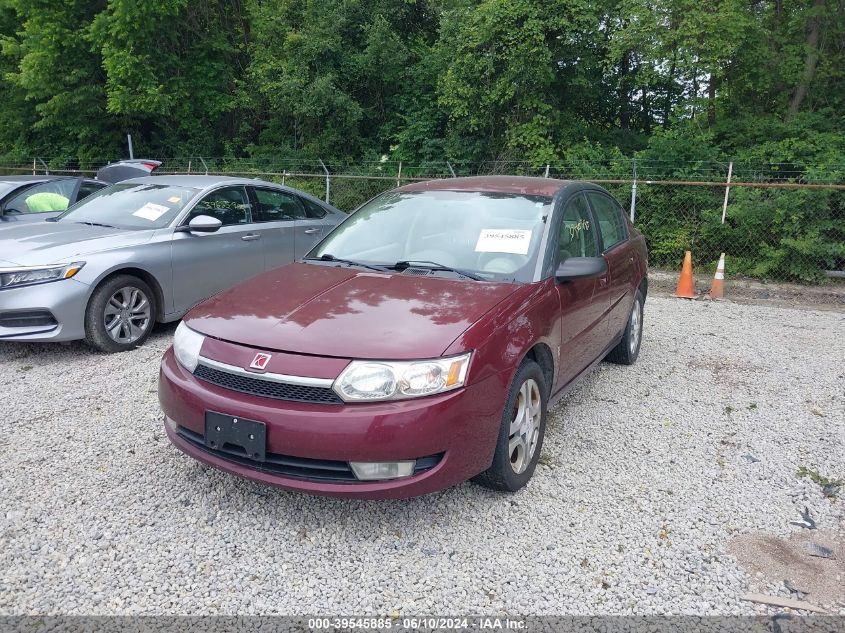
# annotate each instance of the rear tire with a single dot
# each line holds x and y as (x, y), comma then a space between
(628, 349)
(120, 314)
(521, 432)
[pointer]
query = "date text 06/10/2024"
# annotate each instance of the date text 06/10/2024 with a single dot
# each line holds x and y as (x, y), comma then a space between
(416, 623)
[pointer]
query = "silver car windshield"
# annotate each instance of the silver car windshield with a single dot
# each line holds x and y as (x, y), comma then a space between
(131, 206)
(494, 236)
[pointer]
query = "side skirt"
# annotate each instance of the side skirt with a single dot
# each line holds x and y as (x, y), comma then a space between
(560, 393)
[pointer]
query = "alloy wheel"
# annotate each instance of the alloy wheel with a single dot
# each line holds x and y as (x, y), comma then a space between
(128, 315)
(636, 326)
(525, 426)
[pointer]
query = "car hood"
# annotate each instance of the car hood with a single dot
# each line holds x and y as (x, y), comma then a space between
(347, 312)
(58, 242)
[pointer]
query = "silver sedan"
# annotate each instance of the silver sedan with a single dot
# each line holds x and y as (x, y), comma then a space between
(147, 250)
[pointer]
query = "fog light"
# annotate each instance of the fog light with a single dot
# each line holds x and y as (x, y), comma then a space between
(382, 470)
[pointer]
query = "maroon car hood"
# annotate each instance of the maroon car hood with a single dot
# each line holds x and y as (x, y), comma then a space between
(347, 312)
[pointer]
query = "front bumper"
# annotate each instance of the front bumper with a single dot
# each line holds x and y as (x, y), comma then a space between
(459, 427)
(64, 300)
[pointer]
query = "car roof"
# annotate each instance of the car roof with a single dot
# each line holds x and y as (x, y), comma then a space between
(190, 180)
(525, 185)
(37, 178)
(202, 182)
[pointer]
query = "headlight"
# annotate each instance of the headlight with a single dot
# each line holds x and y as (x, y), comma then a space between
(31, 275)
(186, 346)
(364, 381)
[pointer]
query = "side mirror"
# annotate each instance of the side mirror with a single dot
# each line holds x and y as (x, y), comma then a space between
(204, 224)
(580, 268)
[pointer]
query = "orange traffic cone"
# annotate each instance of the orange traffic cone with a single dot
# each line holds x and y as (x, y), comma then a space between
(686, 285)
(717, 290)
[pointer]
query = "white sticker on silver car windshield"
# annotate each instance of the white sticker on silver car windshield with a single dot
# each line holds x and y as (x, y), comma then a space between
(514, 241)
(151, 211)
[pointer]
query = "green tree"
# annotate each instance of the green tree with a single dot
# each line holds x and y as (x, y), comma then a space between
(171, 68)
(53, 69)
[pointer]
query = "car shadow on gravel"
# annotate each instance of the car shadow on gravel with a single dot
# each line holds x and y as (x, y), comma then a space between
(49, 352)
(267, 503)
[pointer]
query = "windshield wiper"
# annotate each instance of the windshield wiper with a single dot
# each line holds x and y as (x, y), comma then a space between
(327, 257)
(108, 226)
(424, 263)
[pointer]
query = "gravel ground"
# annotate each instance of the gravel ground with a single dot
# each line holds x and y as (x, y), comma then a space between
(642, 486)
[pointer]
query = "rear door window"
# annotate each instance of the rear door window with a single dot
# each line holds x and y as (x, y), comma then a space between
(87, 187)
(612, 226)
(313, 209)
(276, 206)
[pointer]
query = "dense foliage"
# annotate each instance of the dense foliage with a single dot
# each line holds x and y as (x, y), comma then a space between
(425, 81)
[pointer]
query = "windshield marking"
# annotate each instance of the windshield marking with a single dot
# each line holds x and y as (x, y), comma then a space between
(151, 211)
(515, 241)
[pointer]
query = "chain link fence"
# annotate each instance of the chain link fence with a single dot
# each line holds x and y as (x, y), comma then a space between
(780, 222)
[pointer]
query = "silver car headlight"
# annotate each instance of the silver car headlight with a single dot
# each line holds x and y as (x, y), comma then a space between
(186, 346)
(367, 381)
(31, 275)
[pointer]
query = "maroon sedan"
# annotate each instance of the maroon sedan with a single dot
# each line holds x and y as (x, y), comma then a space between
(418, 345)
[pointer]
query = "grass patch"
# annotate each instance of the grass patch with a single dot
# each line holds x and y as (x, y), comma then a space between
(830, 487)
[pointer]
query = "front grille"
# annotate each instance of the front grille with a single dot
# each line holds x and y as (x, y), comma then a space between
(33, 318)
(294, 467)
(266, 388)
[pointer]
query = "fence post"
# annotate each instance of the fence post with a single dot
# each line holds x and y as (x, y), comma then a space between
(284, 175)
(328, 180)
(452, 171)
(399, 176)
(46, 168)
(727, 191)
(634, 192)
(546, 175)
(204, 165)
(189, 165)
(33, 166)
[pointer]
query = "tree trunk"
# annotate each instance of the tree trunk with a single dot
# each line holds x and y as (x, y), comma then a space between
(624, 91)
(711, 100)
(667, 106)
(814, 27)
(646, 107)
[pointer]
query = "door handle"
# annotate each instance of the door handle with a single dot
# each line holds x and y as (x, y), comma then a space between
(250, 237)
(311, 231)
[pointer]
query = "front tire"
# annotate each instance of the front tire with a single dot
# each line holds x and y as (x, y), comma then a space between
(120, 314)
(521, 432)
(628, 349)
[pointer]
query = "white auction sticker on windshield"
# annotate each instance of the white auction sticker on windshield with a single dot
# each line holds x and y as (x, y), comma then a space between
(514, 241)
(151, 211)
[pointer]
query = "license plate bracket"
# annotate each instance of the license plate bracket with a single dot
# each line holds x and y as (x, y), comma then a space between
(235, 435)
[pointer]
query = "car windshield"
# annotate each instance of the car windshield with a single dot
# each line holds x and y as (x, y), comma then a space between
(492, 236)
(129, 205)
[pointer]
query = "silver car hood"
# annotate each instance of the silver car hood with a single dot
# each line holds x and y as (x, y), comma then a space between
(59, 242)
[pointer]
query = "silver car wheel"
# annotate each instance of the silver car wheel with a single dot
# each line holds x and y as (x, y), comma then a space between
(636, 326)
(128, 315)
(525, 426)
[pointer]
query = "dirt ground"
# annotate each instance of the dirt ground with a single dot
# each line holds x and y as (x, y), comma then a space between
(828, 296)
(787, 562)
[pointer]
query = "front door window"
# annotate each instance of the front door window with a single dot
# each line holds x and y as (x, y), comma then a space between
(230, 205)
(43, 198)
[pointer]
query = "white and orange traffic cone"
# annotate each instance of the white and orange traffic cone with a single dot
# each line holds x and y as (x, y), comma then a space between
(717, 290)
(686, 284)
